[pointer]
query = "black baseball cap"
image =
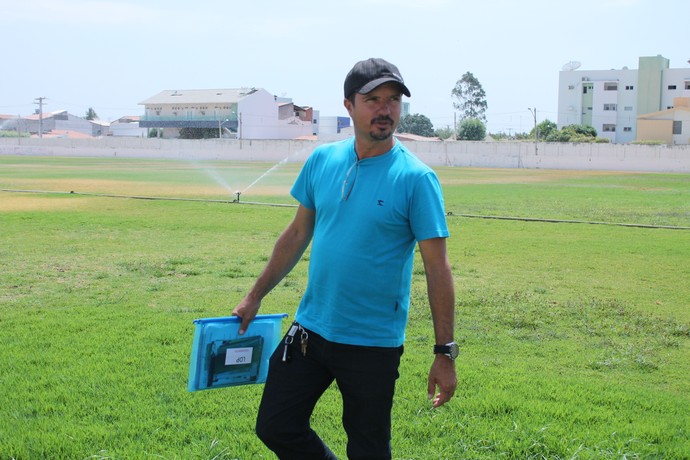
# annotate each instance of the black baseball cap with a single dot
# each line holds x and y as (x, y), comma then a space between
(365, 76)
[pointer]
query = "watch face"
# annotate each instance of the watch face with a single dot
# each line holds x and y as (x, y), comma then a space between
(450, 349)
(454, 350)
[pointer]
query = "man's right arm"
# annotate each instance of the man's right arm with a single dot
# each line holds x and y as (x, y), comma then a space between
(287, 251)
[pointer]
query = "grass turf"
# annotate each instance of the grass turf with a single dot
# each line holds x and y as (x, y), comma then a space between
(575, 338)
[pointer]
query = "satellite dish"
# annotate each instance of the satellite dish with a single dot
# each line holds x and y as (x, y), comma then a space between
(572, 65)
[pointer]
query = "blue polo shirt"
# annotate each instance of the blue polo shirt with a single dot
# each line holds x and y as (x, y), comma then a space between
(362, 250)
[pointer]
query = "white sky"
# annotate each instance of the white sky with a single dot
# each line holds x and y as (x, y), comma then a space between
(113, 54)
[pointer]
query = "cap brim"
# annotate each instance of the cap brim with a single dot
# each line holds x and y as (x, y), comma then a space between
(372, 85)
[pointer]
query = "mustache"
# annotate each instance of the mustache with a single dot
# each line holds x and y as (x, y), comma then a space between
(382, 118)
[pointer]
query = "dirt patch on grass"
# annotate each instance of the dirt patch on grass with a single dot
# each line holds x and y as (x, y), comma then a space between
(47, 198)
(13, 202)
(152, 189)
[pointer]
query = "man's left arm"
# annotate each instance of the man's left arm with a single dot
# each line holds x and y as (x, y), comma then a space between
(441, 293)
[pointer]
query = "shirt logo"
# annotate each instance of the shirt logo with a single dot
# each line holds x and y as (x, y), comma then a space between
(380, 202)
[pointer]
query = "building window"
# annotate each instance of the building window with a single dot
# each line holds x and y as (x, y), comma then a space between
(610, 86)
(677, 127)
(628, 108)
(629, 87)
(610, 107)
(671, 86)
(627, 129)
(687, 85)
(609, 128)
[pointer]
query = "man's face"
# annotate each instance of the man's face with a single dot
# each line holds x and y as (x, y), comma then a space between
(376, 115)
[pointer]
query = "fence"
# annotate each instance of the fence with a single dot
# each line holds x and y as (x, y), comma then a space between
(614, 157)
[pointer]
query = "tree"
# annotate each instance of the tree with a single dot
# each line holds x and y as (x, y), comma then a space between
(545, 128)
(471, 98)
(574, 133)
(444, 133)
(582, 130)
(471, 129)
(416, 124)
(91, 114)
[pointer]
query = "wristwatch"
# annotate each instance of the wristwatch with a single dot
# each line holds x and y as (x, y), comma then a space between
(450, 349)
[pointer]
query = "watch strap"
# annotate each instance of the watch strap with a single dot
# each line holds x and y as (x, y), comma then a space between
(441, 349)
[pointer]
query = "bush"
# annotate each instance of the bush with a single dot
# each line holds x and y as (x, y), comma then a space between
(416, 124)
(545, 128)
(444, 133)
(13, 134)
(471, 129)
(649, 142)
(559, 136)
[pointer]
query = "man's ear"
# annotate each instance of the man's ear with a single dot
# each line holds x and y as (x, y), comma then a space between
(348, 105)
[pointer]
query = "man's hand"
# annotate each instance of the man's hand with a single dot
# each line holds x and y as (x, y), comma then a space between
(443, 376)
(247, 310)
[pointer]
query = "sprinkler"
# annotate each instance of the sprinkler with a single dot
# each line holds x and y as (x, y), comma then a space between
(237, 200)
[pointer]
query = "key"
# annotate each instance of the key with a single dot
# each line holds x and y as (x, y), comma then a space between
(303, 342)
(285, 354)
(303, 347)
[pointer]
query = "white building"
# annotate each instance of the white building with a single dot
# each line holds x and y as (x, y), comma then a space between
(245, 113)
(60, 121)
(611, 100)
(127, 127)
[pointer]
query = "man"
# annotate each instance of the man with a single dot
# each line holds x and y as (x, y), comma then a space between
(364, 204)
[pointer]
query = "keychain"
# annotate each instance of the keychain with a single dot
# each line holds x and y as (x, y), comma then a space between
(303, 341)
(288, 340)
(290, 337)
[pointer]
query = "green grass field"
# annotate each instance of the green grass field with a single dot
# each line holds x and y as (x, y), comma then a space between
(575, 337)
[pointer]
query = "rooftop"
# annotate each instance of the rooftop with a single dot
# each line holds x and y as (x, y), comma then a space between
(194, 96)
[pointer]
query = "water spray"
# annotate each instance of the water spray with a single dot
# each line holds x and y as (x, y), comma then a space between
(270, 170)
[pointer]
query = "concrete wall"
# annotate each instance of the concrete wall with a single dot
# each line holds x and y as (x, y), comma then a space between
(613, 157)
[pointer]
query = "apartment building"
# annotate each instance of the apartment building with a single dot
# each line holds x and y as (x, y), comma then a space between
(615, 101)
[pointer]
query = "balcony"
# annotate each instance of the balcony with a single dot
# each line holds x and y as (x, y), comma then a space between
(189, 120)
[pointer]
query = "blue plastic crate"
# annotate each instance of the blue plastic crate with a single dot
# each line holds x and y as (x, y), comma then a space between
(221, 357)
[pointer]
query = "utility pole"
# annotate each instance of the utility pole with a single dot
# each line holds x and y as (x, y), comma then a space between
(536, 130)
(40, 115)
(239, 128)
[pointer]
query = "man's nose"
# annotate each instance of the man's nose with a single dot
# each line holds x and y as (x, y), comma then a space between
(385, 107)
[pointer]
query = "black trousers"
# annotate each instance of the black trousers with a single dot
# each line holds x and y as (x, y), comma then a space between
(366, 379)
